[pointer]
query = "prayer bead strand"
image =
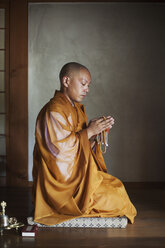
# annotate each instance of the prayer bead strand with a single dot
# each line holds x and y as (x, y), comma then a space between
(101, 139)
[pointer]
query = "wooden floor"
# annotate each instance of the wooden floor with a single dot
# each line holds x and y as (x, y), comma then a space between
(147, 231)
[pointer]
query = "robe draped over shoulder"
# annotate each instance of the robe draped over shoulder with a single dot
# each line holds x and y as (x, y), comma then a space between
(69, 179)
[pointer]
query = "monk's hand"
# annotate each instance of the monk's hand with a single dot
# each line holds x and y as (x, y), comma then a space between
(96, 126)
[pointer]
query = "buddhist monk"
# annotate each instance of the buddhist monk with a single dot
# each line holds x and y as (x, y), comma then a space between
(70, 178)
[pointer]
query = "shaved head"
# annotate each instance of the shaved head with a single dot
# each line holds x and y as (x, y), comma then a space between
(70, 68)
(75, 79)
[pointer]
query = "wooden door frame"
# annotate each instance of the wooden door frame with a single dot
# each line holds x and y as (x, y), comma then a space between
(17, 147)
(5, 5)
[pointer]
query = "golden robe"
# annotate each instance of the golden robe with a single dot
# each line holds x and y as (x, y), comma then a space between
(69, 179)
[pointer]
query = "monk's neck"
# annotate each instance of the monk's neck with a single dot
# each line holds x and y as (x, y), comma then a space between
(65, 94)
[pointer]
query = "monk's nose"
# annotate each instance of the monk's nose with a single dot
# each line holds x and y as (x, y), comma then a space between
(87, 90)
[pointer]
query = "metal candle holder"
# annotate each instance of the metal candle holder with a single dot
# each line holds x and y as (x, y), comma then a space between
(7, 223)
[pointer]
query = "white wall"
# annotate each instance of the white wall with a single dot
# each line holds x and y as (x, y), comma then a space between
(122, 44)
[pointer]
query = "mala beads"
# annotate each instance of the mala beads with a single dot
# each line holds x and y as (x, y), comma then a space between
(102, 139)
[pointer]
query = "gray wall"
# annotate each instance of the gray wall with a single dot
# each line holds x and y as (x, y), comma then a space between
(123, 45)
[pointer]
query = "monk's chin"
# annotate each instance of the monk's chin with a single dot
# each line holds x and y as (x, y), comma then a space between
(79, 99)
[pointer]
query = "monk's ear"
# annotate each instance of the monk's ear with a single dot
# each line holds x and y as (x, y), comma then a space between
(65, 81)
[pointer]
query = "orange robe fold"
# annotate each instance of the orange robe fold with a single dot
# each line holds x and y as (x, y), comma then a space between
(69, 179)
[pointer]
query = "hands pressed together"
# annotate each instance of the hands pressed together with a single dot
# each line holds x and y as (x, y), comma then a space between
(96, 126)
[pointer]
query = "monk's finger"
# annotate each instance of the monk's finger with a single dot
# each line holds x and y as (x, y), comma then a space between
(107, 121)
(101, 119)
(112, 122)
(106, 125)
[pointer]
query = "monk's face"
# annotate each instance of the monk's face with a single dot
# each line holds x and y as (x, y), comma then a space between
(78, 85)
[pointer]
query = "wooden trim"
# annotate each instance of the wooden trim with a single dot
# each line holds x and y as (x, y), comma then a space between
(5, 5)
(136, 185)
(98, 1)
(17, 170)
(144, 185)
(7, 88)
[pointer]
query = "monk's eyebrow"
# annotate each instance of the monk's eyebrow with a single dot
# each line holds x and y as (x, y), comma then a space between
(86, 81)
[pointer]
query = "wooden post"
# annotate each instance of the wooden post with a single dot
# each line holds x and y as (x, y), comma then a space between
(17, 170)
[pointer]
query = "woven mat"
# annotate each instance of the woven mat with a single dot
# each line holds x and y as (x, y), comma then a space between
(115, 222)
